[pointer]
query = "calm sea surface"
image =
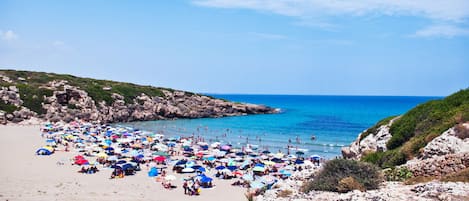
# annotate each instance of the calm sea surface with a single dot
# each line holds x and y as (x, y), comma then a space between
(335, 121)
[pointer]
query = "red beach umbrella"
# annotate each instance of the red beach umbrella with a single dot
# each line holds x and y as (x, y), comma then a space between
(159, 158)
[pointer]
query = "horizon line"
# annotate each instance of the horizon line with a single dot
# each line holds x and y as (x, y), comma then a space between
(280, 94)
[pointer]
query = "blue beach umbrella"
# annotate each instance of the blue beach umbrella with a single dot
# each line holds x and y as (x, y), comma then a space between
(205, 179)
(285, 172)
(221, 167)
(232, 167)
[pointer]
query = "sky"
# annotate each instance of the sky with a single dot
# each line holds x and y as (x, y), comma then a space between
(336, 47)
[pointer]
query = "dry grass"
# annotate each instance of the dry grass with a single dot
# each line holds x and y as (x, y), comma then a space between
(461, 176)
(284, 193)
(462, 132)
(419, 179)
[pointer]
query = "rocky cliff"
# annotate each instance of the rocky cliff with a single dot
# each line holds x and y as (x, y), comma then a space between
(370, 140)
(57, 97)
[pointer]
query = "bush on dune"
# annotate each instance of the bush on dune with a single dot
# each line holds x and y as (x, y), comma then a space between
(342, 175)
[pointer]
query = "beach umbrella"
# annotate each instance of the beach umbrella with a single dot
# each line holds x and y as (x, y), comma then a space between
(231, 163)
(239, 173)
(82, 162)
(231, 167)
(153, 172)
(200, 154)
(201, 169)
(266, 152)
(205, 179)
(259, 165)
(240, 154)
(188, 170)
(315, 157)
(109, 149)
(112, 158)
(209, 158)
(220, 153)
(289, 167)
(258, 169)
(226, 171)
(102, 155)
(170, 178)
(225, 147)
(268, 179)
(215, 144)
(51, 149)
(279, 155)
(285, 172)
(248, 177)
(220, 167)
(224, 160)
(298, 161)
(299, 153)
(127, 166)
(121, 162)
(180, 162)
(160, 153)
(190, 164)
(43, 151)
(256, 185)
(159, 158)
(277, 160)
(268, 162)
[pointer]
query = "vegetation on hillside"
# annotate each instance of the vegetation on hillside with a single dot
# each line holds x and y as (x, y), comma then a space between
(415, 129)
(32, 93)
(374, 129)
(341, 175)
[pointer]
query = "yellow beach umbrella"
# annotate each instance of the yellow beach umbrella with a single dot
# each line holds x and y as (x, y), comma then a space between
(102, 155)
(268, 162)
(51, 149)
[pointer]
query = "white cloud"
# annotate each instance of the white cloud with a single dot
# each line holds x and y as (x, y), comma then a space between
(447, 31)
(8, 35)
(448, 10)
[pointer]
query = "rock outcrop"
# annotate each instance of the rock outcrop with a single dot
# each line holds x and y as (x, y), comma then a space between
(445, 154)
(372, 142)
(390, 191)
(447, 143)
(69, 102)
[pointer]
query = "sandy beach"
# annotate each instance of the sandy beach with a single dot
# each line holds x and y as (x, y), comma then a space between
(27, 176)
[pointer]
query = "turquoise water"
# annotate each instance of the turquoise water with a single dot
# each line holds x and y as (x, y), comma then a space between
(335, 121)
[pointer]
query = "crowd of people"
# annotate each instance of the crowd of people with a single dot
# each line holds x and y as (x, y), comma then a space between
(125, 150)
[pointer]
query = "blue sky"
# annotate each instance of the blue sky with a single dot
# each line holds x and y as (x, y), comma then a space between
(362, 47)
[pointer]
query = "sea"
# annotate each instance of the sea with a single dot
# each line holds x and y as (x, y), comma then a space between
(312, 124)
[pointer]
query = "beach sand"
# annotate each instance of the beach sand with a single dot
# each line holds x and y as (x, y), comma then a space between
(26, 176)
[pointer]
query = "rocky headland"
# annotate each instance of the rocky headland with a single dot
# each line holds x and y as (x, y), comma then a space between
(53, 97)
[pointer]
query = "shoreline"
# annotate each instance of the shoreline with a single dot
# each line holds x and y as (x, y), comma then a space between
(47, 179)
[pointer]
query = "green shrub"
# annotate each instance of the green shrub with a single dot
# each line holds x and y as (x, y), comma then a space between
(33, 97)
(397, 174)
(333, 176)
(386, 159)
(8, 108)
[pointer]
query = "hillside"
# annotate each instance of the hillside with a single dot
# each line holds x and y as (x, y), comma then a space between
(50, 96)
(396, 140)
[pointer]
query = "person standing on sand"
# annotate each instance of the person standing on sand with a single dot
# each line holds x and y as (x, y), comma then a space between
(185, 186)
